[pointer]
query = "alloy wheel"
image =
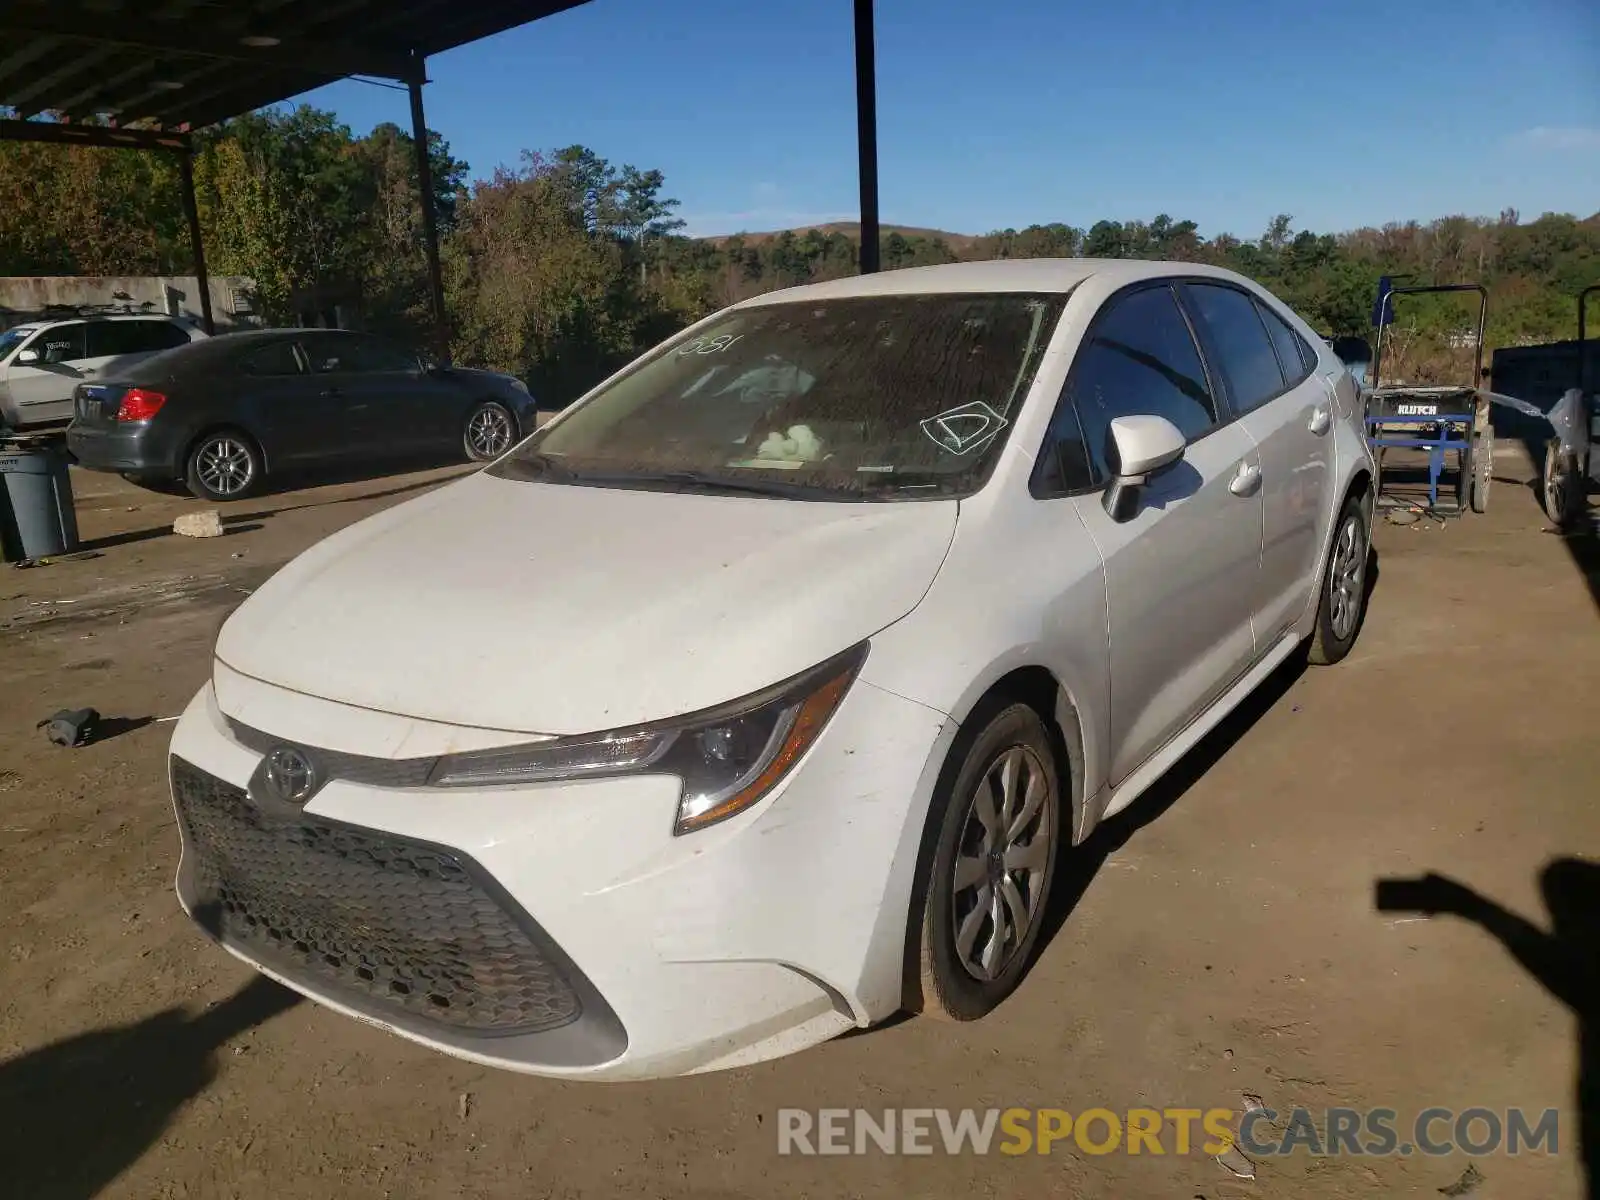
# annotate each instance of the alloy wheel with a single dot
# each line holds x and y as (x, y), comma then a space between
(225, 466)
(1346, 578)
(489, 432)
(1000, 864)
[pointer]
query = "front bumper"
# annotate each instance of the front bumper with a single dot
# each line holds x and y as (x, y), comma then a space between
(560, 929)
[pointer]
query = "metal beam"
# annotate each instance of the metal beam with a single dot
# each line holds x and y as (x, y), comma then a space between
(22, 96)
(867, 135)
(191, 212)
(430, 224)
(65, 134)
(102, 91)
(284, 50)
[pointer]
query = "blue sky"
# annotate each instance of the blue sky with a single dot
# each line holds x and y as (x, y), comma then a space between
(1009, 112)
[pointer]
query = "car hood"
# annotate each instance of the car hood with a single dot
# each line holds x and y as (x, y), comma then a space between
(547, 608)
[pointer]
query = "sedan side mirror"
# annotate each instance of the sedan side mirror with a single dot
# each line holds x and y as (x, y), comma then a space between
(27, 357)
(1138, 447)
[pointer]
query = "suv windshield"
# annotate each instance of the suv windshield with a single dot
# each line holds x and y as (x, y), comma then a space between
(875, 397)
(12, 338)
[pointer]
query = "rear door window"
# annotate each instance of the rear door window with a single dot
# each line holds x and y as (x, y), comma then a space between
(1294, 355)
(329, 353)
(108, 339)
(1248, 360)
(277, 359)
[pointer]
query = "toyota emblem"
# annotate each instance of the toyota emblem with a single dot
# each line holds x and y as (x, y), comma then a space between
(290, 774)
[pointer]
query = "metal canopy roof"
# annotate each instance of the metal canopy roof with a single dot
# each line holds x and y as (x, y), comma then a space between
(178, 65)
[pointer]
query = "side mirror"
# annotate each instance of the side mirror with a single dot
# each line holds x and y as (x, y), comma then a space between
(1137, 448)
(27, 357)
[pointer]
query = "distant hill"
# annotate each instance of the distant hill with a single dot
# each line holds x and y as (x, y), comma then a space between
(852, 229)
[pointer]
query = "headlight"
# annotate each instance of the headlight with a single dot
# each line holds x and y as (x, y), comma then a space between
(728, 758)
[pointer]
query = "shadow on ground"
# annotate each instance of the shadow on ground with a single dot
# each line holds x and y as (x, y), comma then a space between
(1565, 959)
(75, 1114)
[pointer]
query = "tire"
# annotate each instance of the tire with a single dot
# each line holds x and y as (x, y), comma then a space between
(224, 464)
(962, 971)
(1342, 593)
(1482, 471)
(1558, 480)
(490, 431)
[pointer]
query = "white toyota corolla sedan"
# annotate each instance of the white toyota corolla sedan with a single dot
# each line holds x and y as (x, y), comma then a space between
(760, 695)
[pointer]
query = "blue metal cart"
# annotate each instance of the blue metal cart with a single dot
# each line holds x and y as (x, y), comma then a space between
(1449, 424)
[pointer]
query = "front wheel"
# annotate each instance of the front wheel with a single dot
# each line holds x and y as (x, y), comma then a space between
(225, 465)
(490, 430)
(980, 901)
(1342, 598)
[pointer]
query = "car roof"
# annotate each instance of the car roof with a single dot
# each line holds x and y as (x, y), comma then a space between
(996, 275)
(44, 322)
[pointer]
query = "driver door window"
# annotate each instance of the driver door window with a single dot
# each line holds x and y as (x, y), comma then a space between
(1138, 358)
(61, 345)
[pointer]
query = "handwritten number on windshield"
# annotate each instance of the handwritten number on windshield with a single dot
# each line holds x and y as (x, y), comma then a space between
(705, 345)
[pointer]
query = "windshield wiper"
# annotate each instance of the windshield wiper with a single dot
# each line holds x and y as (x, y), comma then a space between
(752, 486)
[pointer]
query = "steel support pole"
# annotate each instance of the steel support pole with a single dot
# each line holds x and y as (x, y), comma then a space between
(430, 225)
(867, 135)
(191, 211)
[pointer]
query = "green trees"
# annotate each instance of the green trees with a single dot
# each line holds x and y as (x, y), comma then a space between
(566, 265)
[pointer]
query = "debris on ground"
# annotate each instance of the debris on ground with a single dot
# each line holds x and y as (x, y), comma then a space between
(464, 1105)
(1254, 1103)
(1234, 1161)
(70, 726)
(1469, 1181)
(207, 523)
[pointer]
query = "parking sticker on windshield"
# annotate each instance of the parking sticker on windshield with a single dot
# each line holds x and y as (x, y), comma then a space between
(965, 428)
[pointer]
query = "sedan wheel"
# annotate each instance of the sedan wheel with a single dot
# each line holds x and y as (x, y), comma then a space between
(999, 871)
(1343, 604)
(490, 431)
(985, 882)
(223, 466)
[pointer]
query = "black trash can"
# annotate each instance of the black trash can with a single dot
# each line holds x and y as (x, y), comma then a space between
(36, 514)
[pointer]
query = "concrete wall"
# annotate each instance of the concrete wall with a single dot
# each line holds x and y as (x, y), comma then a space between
(27, 298)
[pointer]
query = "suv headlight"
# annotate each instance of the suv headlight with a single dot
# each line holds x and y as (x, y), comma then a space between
(728, 757)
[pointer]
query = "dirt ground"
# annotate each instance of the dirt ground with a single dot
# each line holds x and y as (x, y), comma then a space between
(1219, 940)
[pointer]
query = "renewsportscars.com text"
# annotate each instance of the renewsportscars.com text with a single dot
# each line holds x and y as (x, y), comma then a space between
(1261, 1132)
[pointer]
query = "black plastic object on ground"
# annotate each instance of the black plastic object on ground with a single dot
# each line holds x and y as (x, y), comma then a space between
(71, 726)
(37, 519)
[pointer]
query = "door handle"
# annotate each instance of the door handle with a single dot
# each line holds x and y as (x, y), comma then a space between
(1245, 480)
(330, 391)
(1321, 421)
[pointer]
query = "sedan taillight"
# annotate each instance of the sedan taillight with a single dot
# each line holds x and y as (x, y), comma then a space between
(138, 404)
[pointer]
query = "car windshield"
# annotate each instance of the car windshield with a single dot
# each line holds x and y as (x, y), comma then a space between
(12, 338)
(878, 397)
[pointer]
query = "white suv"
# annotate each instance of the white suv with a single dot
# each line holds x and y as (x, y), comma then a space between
(43, 361)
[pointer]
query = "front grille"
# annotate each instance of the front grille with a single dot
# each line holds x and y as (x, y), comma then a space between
(335, 764)
(417, 928)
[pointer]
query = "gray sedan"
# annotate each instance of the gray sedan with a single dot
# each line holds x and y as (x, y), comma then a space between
(221, 414)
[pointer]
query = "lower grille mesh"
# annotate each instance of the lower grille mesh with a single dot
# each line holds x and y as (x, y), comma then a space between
(403, 923)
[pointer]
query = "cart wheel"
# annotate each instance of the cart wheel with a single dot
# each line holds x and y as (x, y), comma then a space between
(1482, 471)
(1559, 501)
